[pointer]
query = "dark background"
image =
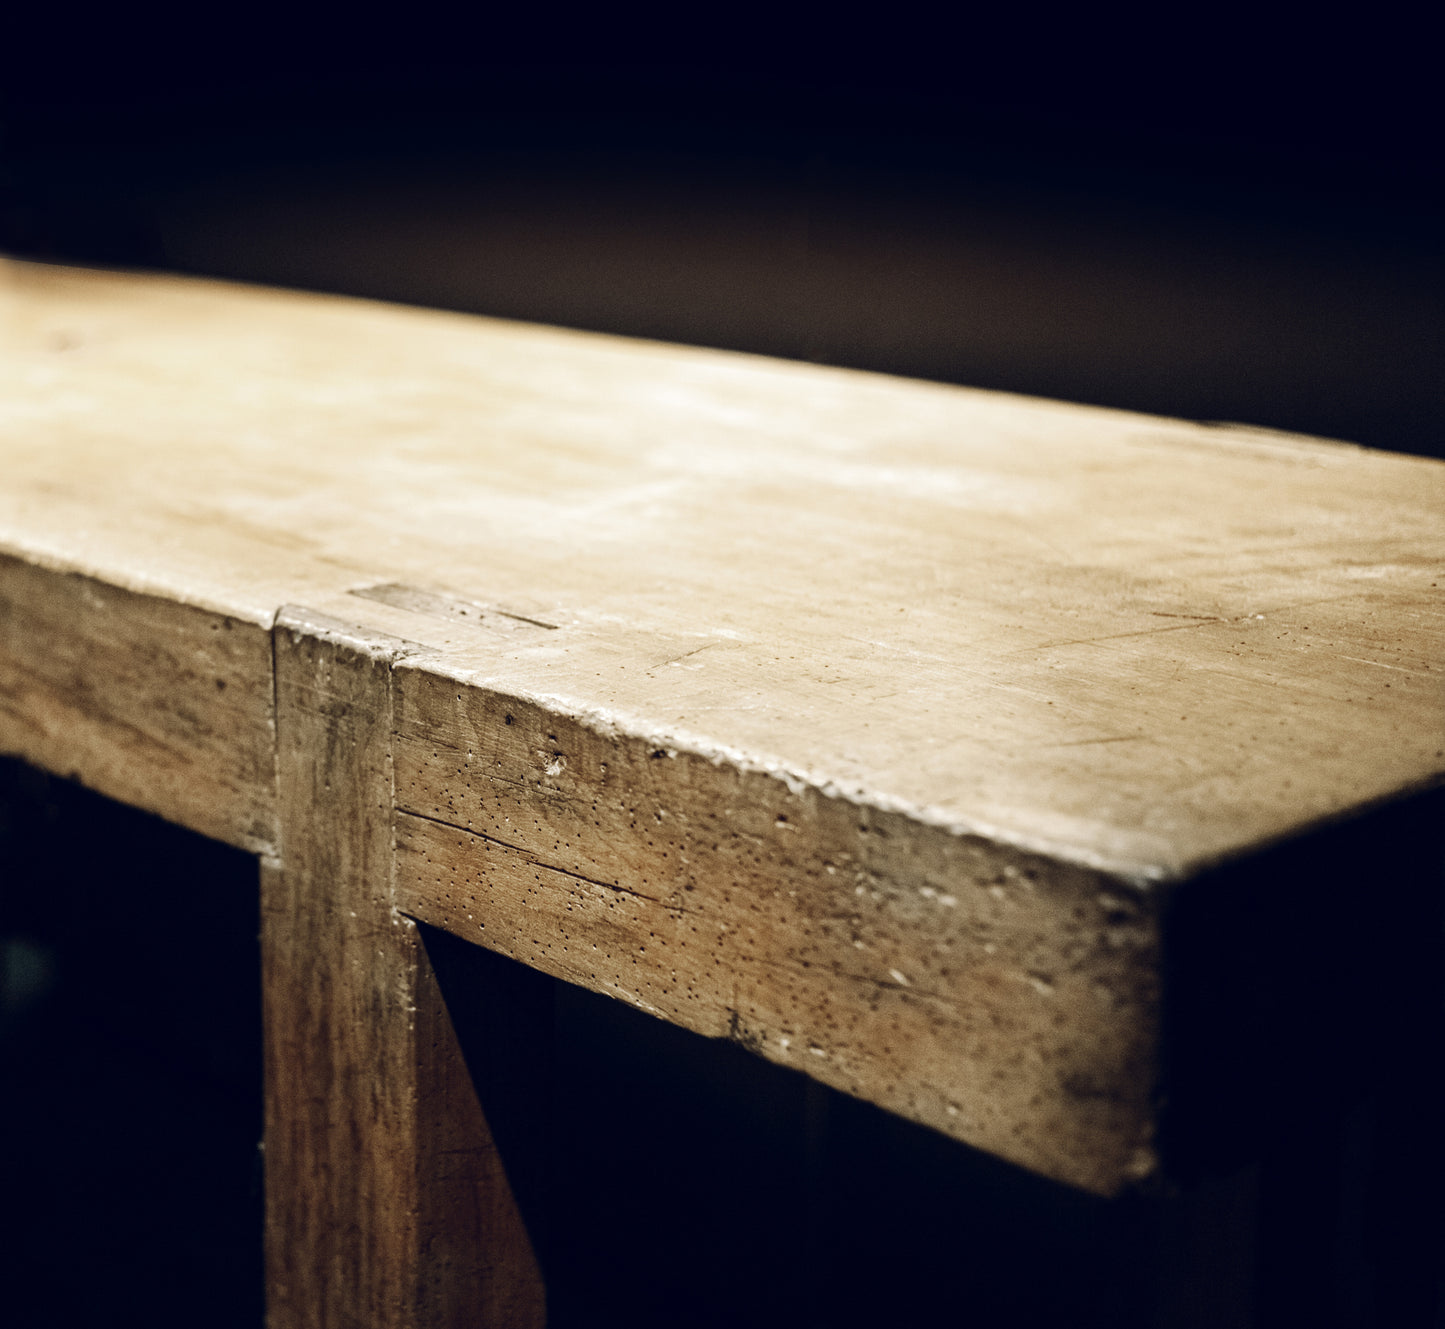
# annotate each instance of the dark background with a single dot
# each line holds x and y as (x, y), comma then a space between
(1213, 219)
(674, 1182)
(1214, 216)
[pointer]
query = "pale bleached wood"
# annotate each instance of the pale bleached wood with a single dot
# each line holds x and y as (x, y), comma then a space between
(1118, 649)
(387, 1202)
(158, 704)
(1128, 642)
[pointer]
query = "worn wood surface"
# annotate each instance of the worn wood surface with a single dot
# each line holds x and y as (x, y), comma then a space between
(154, 702)
(893, 639)
(1122, 640)
(387, 1203)
(995, 995)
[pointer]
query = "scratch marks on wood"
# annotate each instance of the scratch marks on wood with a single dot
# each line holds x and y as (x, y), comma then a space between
(1380, 664)
(1121, 636)
(435, 604)
(542, 863)
(677, 660)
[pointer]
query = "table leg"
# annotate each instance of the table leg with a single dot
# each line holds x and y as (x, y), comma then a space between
(387, 1203)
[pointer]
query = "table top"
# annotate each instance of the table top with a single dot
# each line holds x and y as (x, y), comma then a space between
(1122, 641)
(955, 687)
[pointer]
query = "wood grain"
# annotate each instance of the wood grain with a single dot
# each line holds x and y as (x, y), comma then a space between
(157, 704)
(997, 996)
(889, 636)
(1132, 643)
(387, 1202)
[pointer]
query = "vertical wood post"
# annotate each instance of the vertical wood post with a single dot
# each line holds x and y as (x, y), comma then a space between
(387, 1205)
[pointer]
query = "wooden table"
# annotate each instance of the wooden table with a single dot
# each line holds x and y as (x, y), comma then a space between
(910, 736)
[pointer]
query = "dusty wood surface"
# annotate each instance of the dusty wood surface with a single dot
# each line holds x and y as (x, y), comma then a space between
(387, 1201)
(931, 639)
(1123, 640)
